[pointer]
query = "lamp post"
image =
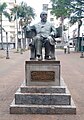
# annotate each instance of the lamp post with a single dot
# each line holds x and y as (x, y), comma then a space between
(68, 38)
(21, 41)
(16, 28)
(21, 35)
(82, 45)
(7, 51)
(1, 32)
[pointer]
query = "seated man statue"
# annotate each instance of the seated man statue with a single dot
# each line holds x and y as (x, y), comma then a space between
(45, 37)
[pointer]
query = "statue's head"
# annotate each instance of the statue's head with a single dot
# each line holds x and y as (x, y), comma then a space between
(43, 16)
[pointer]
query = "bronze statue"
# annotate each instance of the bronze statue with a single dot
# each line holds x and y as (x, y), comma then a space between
(43, 35)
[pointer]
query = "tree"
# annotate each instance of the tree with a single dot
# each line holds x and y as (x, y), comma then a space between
(69, 8)
(6, 14)
(24, 13)
(61, 9)
(78, 9)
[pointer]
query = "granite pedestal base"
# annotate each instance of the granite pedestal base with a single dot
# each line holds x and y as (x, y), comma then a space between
(43, 92)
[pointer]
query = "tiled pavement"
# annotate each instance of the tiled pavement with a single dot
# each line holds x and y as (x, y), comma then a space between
(12, 75)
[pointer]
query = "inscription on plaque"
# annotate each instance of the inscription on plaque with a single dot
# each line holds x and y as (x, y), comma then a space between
(42, 76)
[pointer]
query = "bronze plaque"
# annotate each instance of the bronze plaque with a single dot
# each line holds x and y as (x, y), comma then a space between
(43, 76)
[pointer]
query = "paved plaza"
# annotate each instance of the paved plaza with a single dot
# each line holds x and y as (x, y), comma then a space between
(12, 74)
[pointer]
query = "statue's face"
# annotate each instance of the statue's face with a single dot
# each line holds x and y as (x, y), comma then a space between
(43, 17)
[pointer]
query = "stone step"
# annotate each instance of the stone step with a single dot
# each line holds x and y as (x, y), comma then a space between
(42, 89)
(43, 98)
(42, 109)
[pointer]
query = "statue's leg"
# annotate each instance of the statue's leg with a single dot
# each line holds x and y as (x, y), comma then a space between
(52, 51)
(33, 52)
(52, 47)
(47, 49)
(38, 47)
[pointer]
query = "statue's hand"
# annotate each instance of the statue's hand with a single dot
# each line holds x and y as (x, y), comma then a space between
(52, 34)
(28, 28)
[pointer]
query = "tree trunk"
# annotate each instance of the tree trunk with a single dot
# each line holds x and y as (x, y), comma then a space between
(1, 33)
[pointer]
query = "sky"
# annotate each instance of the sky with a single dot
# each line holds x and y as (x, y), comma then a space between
(37, 5)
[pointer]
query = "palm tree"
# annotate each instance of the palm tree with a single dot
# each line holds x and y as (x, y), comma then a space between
(24, 13)
(6, 14)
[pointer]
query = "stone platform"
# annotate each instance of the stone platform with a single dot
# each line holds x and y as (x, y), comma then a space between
(49, 95)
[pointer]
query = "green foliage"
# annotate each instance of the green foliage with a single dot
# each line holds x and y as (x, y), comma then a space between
(68, 8)
(78, 6)
(4, 12)
(78, 9)
(60, 8)
(23, 11)
(7, 15)
(73, 20)
(2, 7)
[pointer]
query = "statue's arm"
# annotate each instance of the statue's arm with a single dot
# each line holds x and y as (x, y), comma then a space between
(53, 31)
(30, 31)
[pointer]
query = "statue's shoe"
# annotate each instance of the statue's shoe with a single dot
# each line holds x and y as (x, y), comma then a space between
(50, 58)
(39, 57)
(53, 58)
(32, 58)
(47, 58)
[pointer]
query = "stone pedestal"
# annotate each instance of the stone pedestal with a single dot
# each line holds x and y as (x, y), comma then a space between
(42, 73)
(43, 92)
